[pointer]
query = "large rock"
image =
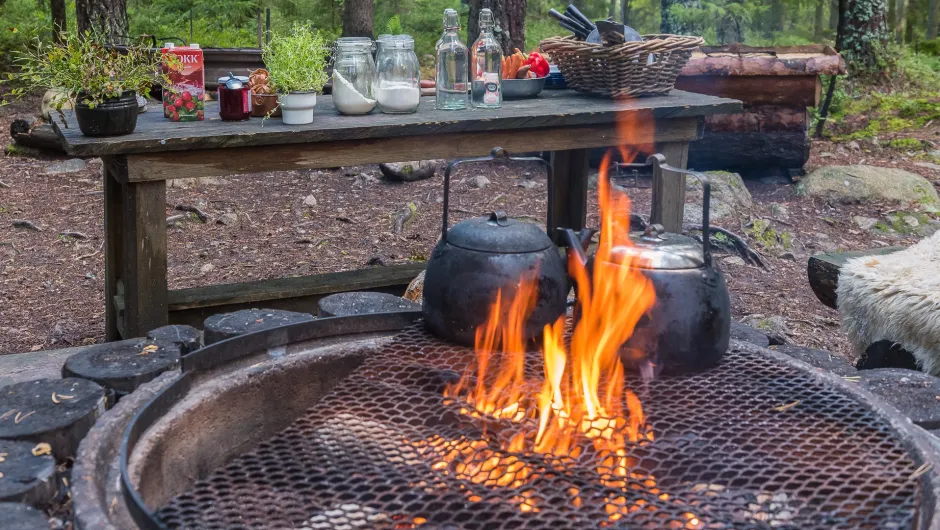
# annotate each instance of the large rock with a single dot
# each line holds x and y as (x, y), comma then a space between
(52, 101)
(856, 184)
(729, 199)
(409, 171)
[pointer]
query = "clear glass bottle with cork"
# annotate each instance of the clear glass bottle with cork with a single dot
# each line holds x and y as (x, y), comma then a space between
(452, 70)
(485, 64)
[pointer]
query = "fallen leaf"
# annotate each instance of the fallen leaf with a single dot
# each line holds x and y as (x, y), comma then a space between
(42, 448)
(149, 349)
(20, 416)
(7, 414)
(3, 457)
(782, 408)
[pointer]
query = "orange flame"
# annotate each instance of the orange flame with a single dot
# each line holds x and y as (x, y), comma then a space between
(580, 401)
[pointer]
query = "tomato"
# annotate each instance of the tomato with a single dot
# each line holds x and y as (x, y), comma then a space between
(199, 115)
(178, 103)
(187, 96)
(190, 105)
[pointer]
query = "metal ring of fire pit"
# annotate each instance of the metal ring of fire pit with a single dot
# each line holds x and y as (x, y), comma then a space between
(229, 351)
(914, 441)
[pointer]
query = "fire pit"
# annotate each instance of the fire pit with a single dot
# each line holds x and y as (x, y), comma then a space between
(760, 441)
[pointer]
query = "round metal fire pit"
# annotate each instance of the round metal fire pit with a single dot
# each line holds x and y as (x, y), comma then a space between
(353, 432)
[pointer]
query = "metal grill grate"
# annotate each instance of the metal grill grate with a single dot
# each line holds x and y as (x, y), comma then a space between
(753, 443)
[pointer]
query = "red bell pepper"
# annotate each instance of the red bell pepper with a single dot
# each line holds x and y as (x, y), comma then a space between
(538, 64)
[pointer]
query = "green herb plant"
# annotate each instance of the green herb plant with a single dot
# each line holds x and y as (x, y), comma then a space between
(393, 27)
(296, 61)
(84, 70)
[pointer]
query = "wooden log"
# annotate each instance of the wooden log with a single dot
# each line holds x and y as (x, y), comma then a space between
(22, 517)
(760, 118)
(121, 366)
(228, 325)
(363, 303)
(186, 338)
(669, 189)
(32, 132)
(742, 151)
(56, 411)
(796, 91)
(823, 271)
(27, 477)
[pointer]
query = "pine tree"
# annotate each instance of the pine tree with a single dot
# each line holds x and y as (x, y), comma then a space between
(357, 18)
(866, 33)
(107, 17)
(670, 23)
(510, 22)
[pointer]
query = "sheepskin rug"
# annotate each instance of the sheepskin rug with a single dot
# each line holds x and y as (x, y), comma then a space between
(895, 297)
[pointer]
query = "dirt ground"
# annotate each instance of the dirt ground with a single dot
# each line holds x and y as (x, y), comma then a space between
(51, 281)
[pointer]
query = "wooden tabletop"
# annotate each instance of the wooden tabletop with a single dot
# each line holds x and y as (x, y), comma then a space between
(156, 134)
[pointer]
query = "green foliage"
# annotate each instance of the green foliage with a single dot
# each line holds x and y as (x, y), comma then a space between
(296, 61)
(394, 26)
(907, 144)
(82, 67)
(21, 22)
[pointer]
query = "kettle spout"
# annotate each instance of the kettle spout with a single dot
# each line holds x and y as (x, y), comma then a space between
(575, 243)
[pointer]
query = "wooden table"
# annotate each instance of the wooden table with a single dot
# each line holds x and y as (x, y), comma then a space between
(137, 166)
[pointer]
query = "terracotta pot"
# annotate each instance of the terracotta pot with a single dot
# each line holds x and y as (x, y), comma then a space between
(262, 104)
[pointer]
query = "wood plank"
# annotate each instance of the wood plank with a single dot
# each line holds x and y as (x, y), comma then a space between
(144, 267)
(262, 291)
(221, 162)
(112, 171)
(793, 90)
(761, 118)
(729, 151)
(568, 196)
(823, 271)
(669, 189)
(552, 109)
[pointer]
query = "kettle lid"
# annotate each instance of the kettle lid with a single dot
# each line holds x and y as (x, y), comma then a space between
(498, 234)
(656, 249)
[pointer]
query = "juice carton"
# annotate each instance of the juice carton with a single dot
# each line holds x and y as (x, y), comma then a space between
(183, 98)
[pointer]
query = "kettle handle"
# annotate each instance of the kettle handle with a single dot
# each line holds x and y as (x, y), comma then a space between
(658, 161)
(496, 153)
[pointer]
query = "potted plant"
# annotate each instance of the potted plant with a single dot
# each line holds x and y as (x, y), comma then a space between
(101, 82)
(296, 65)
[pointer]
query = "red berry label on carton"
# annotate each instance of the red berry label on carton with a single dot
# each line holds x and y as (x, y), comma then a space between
(183, 99)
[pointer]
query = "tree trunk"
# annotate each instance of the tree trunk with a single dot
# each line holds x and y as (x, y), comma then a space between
(357, 18)
(818, 22)
(108, 17)
(777, 15)
(669, 23)
(510, 22)
(866, 33)
(59, 19)
(612, 8)
(932, 20)
(834, 15)
(730, 29)
(909, 21)
(625, 11)
(899, 27)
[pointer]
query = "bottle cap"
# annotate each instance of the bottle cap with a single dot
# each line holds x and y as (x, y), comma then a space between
(451, 19)
(194, 46)
(486, 16)
(169, 45)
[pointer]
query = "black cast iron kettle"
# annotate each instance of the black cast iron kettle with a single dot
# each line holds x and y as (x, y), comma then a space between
(688, 328)
(478, 257)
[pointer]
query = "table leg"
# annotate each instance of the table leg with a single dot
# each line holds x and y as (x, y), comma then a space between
(567, 206)
(144, 275)
(113, 236)
(669, 192)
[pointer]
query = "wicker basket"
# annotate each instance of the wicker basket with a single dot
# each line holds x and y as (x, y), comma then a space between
(623, 70)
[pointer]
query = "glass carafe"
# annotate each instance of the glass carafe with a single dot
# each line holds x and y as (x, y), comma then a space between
(485, 67)
(452, 66)
(353, 76)
(397, 86)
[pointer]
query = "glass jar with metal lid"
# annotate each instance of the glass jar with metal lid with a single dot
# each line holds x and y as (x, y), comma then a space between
(234, 98)
(397, 85)
(353, 75)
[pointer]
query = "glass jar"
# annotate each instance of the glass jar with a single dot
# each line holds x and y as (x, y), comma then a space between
(234, 98)
(398, 76)
(353, 76)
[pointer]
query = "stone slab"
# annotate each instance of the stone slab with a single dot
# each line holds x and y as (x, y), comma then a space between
(363, 303)
(819, 358)
(228, 325)
(915, 394)
(22, 517)
(45, 364)
(750, 334)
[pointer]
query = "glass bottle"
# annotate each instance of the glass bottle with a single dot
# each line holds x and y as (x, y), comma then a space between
(447, 14)
(452, 66)
(353, 75)
(486, 64)
(398, 76)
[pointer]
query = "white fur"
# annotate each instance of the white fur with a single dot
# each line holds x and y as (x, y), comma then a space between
(895, 297)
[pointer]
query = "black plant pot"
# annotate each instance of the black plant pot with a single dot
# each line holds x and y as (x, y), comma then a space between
(112, 117)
